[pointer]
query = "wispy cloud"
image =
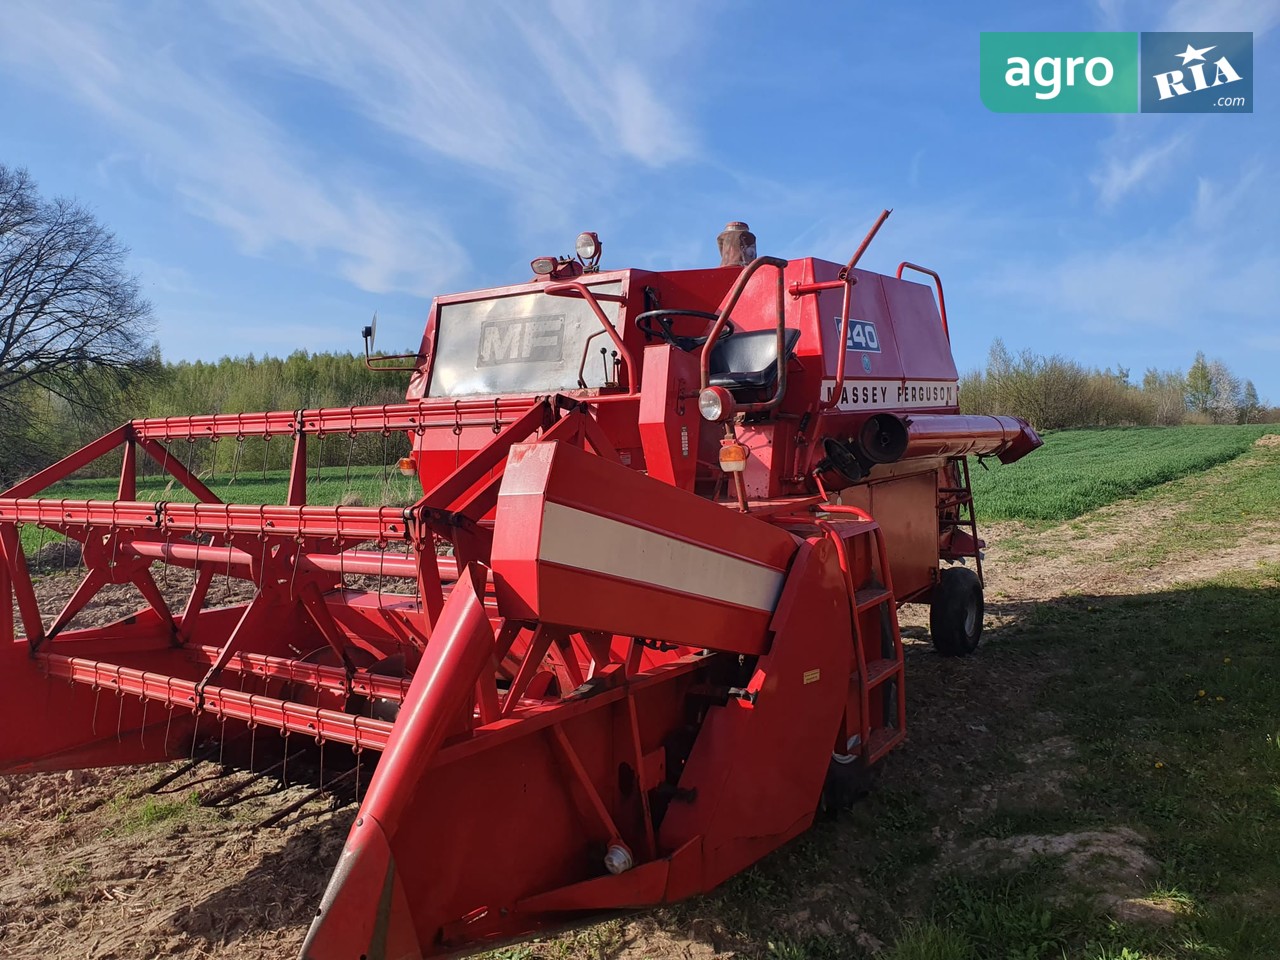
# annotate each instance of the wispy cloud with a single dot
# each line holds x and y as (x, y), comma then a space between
(1219, 200)
(1131, 163)
(1258, 16)
(1213, 261)
(519, 90)
(1110, 13)
(228, 161)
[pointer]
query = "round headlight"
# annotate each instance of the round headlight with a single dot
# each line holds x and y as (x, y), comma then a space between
(715, 404)
(588, 246)
(544, 266)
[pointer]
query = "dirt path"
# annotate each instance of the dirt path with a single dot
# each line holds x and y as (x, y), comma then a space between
(89, 871)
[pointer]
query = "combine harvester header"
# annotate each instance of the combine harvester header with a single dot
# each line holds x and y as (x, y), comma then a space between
(639, 628)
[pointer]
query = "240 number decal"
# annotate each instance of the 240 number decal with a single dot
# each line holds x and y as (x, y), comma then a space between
(862, 335)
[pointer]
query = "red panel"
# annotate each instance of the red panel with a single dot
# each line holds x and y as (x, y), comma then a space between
(758, 768)
(917, 328)
(579, 480)
(907, 510)
(58, 720)
(578, 598)
(670, 378)
(584, 597)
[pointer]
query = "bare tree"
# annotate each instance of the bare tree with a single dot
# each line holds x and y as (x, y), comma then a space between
(1251, 406)
(1166, 392)
(73, 321)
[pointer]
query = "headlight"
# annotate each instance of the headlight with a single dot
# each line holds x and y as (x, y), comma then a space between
(588, 246)
(715, 404)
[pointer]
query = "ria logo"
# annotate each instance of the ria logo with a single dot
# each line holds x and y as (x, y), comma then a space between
(1173, 84)
(1197, 73)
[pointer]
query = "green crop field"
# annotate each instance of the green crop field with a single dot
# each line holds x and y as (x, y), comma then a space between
(1080, 470)
(374, 486)
(369, 486)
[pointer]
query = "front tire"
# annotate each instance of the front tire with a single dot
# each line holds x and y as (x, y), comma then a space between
(848, 781)
(955, 614)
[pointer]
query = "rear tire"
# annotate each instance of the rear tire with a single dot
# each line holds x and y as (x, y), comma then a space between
(955, 614)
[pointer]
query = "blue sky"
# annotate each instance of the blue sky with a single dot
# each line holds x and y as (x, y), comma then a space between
(282, 169)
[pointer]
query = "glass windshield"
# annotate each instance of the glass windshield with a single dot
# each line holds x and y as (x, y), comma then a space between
(526, 343)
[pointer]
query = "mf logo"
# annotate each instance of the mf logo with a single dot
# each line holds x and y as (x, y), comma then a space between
(1197, 72)
(521, 340)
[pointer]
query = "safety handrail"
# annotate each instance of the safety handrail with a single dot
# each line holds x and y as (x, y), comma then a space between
(730, 302)
(844, 279)
(572, 288)
(937, 282)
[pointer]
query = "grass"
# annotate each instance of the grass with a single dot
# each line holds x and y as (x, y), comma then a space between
(154, 811)
(1173, 702)
(1075, 472)
(373, 485)
(1214, 507)
(1081, 470)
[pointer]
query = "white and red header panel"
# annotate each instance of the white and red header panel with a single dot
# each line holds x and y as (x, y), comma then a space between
(586, 543)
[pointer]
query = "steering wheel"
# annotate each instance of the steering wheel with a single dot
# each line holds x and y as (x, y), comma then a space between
(645, 321)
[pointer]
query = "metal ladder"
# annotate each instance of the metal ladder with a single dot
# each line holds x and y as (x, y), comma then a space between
(874, 603)
(878, 740)
(960, 499)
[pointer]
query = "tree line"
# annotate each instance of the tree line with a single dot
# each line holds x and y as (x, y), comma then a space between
(1054, 392)
(56, 425)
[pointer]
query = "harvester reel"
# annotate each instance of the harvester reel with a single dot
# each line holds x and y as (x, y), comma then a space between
(955, 614)
(664, 331)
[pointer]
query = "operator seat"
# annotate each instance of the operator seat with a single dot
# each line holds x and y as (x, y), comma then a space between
(749, 359)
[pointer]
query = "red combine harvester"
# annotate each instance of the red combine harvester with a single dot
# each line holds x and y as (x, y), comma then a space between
(644, 623)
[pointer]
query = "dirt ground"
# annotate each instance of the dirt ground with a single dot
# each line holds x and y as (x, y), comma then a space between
(93, 866)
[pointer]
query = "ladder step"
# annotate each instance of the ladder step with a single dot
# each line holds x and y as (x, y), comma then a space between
(882, 741)
(869, 597)
(880, 670)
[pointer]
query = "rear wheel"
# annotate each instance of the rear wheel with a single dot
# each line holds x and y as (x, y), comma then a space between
(955, 615)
